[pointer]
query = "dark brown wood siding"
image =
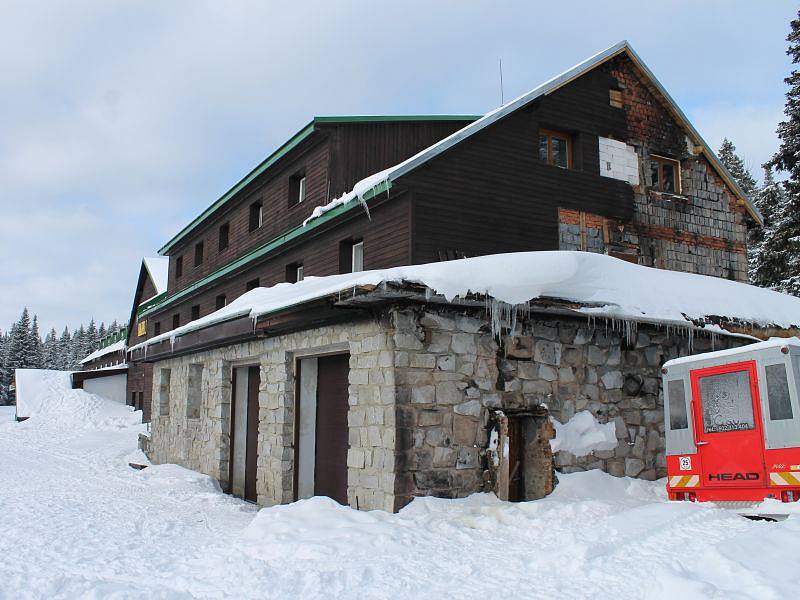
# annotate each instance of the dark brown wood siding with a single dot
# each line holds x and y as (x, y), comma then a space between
(385, 237)
(491, 193)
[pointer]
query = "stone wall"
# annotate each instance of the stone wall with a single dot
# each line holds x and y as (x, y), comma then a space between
(203, 444)
(425, 387)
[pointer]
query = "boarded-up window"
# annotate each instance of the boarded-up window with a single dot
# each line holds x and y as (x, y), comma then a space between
(163, 392)
(194, 391)
(780, 404)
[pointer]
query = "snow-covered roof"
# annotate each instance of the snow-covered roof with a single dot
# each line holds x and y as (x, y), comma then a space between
(600, 285)
(115, 347)
(775, 342)
(379, 182)
(158, 269)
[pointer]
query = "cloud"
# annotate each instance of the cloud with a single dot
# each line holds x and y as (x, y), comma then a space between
(119, 122)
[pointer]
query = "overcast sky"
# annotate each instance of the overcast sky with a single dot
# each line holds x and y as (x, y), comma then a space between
(120, 121)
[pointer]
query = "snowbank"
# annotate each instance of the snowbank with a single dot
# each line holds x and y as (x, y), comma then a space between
(582, 434)
(603, 285)
(36, 387)
(47, 399)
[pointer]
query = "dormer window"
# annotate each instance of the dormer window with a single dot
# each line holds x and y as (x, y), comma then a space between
(297, 188)
(555, 148)
(256, 215)
(665, 174)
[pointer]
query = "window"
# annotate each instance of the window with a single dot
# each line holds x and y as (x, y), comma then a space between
(141, 328)
(665, 174)
(141, 401)
(555, 148)
(163, 392)
(256, 215)
(358, 257)
(726, 402)
(179, 266)
(297, 188)
(251, 285)
(176, 321)
(194, 391)
(133, 398)
(224, 236)
(221, 301)
(294, 272)
(195, 312)
(677, 405)
(198, 254)
(157, 328)
(780, 404)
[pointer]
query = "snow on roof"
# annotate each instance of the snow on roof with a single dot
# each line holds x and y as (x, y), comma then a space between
(379, 182)
(115, 347)
(603, 285)
(775, 342)
(158, 269)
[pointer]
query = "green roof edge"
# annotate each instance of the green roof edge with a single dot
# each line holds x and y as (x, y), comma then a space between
(155, 303)
(290, 144)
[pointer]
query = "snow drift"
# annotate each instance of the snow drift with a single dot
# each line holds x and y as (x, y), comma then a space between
(582, 434)
(47, 399)
(602, 285)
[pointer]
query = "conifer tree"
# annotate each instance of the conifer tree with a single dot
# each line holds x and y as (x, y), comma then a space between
(784, 232)
(34, 358)
(727, 155)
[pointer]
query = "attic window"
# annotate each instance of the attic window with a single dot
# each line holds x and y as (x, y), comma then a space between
(615, 98)
(178, 266)
(665, 174)
(555, 148)
(297, 188)
(224, 236)
(198, 254)
(256, 215)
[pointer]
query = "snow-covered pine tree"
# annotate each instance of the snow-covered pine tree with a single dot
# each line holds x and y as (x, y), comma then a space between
(765, 255)
(102, 331)
(92, 338)
(733, 162)
(35, 352)
(50, 350)
(65, 351)
(4, 379)
(785, 231)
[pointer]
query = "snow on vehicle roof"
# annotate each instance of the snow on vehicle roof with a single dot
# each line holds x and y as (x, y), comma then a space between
(382, 181)
(115, 347)
(158, 268)
(770, 343)
(604, 286)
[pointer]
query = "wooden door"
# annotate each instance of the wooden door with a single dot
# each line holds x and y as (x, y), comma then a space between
(251, 461)
(244, 432)
(330, 462)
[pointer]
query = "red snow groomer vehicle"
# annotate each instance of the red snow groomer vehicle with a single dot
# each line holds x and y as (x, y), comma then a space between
(732, 424)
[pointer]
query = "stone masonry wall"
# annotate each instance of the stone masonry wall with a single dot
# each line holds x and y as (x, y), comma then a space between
(203, 444)
(451, 374)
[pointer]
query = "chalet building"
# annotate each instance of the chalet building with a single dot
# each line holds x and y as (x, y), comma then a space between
(105, 371)
(374, 391)
(151, 287)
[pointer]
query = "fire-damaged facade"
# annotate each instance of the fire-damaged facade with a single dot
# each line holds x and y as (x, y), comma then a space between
(379, 394)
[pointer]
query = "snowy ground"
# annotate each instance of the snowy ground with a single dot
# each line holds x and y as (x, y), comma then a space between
(76, 521)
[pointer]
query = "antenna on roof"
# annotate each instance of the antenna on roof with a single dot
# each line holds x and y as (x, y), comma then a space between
(502, 97)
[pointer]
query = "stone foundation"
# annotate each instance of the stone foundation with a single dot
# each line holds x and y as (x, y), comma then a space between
(426, 388)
